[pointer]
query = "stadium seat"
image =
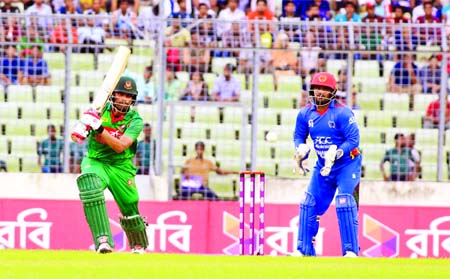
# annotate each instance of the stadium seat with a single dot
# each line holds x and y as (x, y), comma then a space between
(144, 47)
(15, 127)
(23, 145)
(56, 60)
(370, 135)
(427, 137)
(406, 119)
(12, 163)
(290, 84)
(373, 152)
(368, 101)
(104, 61)
(421, 101)
(428, 154)
(218, 64)
(137, 63)
(59, 77)
(379, 119)
(83, 62)
(147, 112)
(89, 78)
(4, 142)
(2, 94)
(269, 117)
(8, 111)
(81, 95)
(232, 115)
(334, 65)
(209, 79)
(388, 65)
(29, 163)
(289, 117)
(49, 94)
(367, 69)
(20, 93)
(207, 114)
(396, 101)
(243, 80)
(56, 111)
(370, 86)
(30, 111)
(266, 83)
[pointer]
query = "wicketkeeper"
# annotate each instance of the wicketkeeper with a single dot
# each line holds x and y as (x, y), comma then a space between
(112, 140)
(335, 137)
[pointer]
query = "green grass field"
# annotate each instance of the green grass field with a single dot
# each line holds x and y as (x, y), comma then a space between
(88, 265)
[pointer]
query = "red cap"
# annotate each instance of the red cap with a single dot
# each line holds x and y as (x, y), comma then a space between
(324, 79)
(370, 5)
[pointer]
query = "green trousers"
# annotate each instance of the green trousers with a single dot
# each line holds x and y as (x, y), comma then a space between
(119, 178)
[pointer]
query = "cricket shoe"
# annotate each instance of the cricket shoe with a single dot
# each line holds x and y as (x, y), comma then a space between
(138, 250)
(296, 253)
(104, 248)
(350, 254)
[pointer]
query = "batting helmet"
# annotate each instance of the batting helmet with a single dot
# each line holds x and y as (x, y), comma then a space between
(324, 79)
(126, 85)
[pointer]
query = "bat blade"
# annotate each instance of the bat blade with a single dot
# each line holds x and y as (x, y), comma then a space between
(112, 77)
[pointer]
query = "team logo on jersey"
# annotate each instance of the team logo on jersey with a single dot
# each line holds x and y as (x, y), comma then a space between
(128, 85)
(323, 140)
(331, 124)
(355, 152)
(322, 78)
(130, 182)
(310, 123)
(351, 120)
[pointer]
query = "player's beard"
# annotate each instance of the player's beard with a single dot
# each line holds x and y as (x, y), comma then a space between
(122, 107)
(322, 101)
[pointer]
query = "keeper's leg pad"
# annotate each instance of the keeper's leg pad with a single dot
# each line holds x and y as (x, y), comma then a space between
(93, 199)
(347, 215)
(134, 227)
(308, 225)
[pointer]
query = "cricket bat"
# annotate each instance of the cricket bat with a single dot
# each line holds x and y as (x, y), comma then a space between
(112, 77)
(103, 94)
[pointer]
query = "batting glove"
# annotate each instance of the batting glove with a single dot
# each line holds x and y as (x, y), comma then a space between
(92, 119)
(80, 132)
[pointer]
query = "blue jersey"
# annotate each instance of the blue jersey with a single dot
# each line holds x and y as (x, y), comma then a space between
(336, 126)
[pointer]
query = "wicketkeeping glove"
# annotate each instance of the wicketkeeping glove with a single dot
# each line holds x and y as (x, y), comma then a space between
(330, 156)
(301, 154)
(92, 119)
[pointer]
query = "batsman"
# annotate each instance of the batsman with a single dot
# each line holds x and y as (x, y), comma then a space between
(335, 136)
(112, 140)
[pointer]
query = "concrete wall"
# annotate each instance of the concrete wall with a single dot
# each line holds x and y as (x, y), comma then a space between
(63, 186)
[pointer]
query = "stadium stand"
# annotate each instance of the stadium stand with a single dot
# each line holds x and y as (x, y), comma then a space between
(25, 110)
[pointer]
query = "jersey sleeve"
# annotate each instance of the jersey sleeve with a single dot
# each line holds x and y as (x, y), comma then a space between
(351, 131)
(135, 128)
(386, 157)
(212, 166)
(301, 128)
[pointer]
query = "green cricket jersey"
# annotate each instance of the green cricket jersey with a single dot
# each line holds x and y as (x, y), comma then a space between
(399, 161)
(52, 150)
(130, 124)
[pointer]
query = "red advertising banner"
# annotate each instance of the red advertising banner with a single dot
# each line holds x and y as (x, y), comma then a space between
(213, 228)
